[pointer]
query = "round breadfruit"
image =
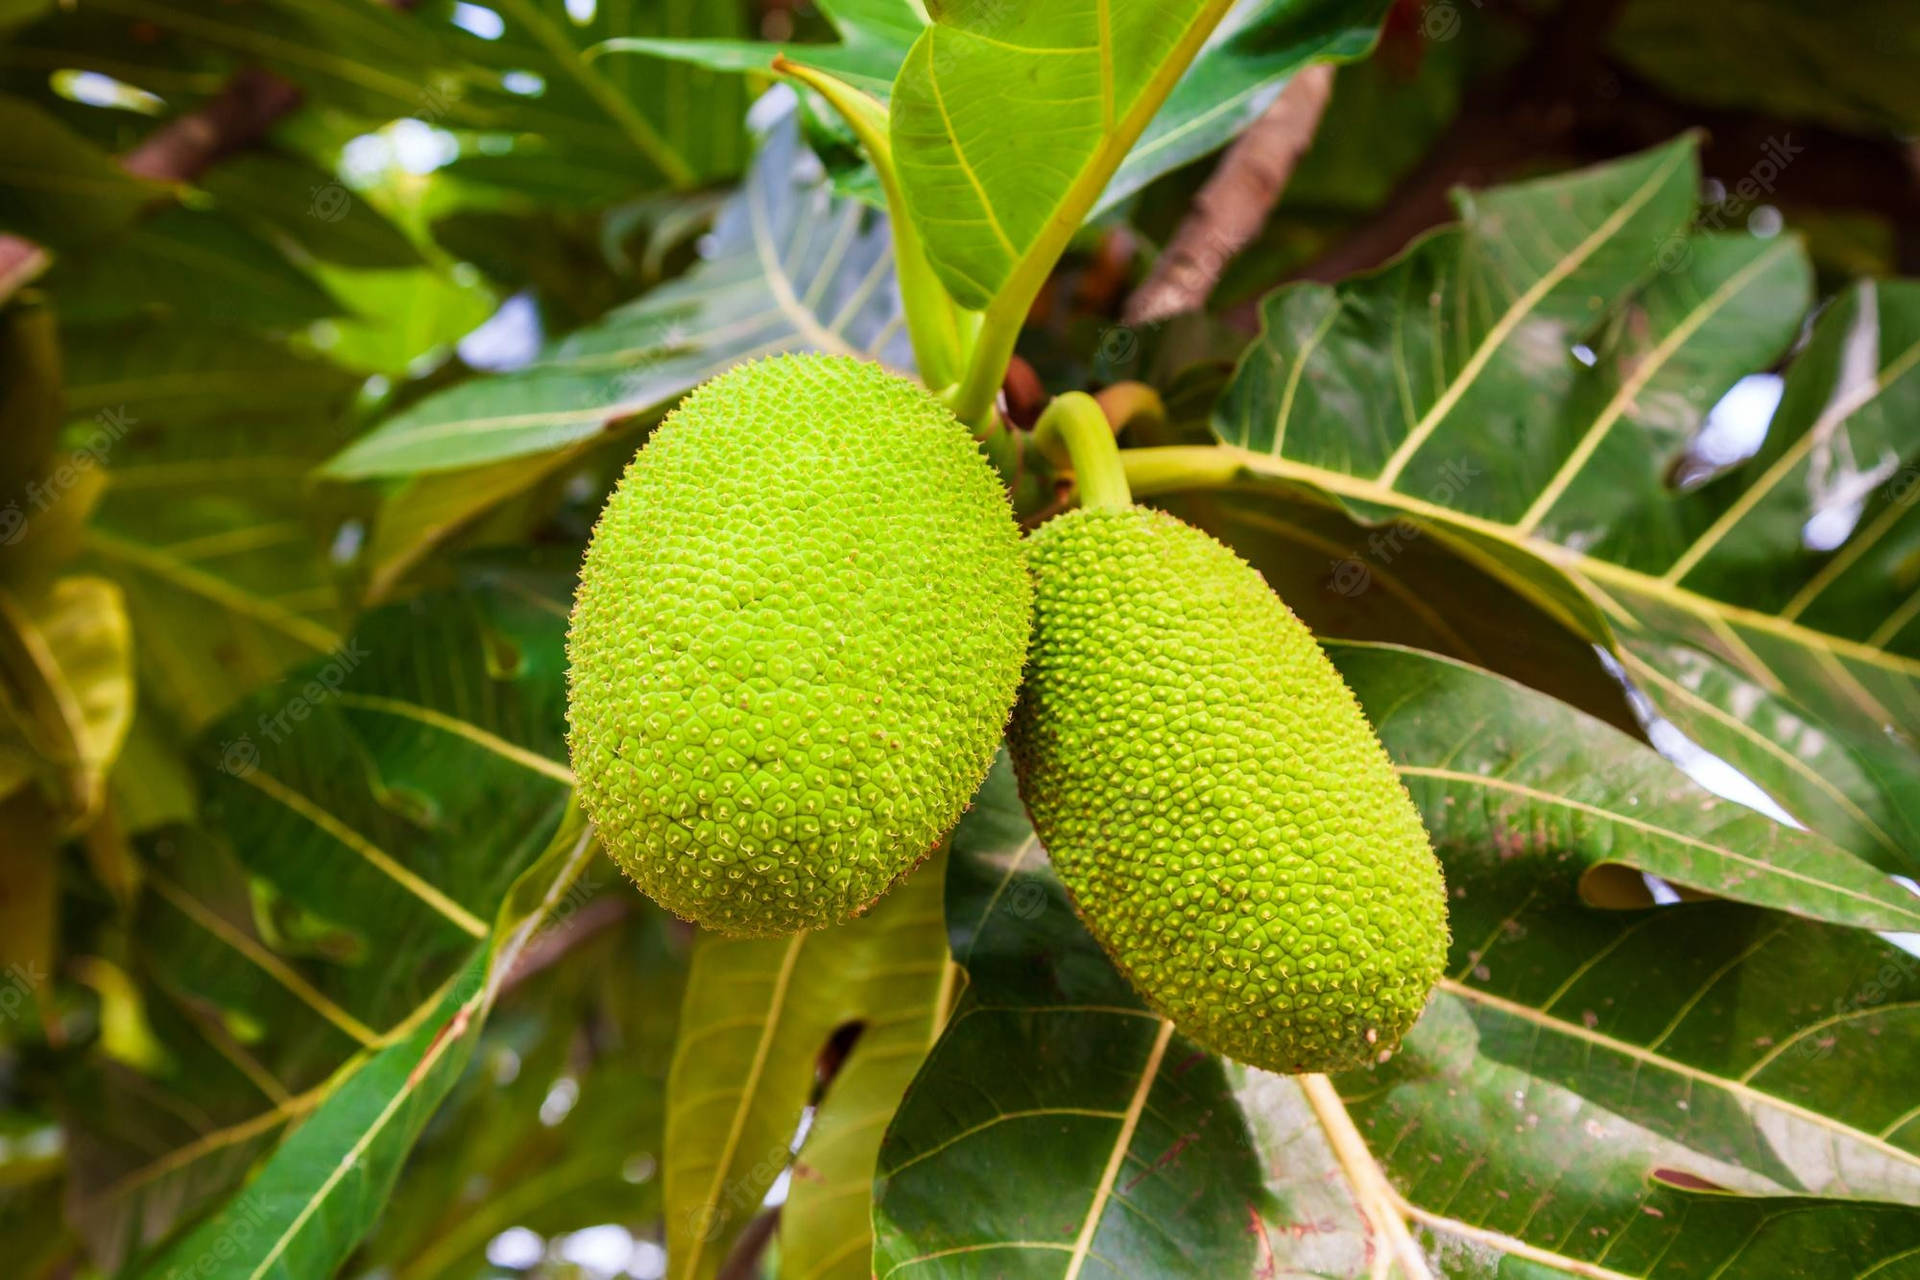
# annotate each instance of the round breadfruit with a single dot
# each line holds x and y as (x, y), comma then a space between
(798, 634)
(1212, 796)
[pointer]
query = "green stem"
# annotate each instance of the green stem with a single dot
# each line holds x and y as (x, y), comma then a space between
(992, 353)
(935, 325)
(1075, 422)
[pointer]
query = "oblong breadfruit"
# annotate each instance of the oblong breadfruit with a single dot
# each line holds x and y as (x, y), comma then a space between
(798, 634)
(1215, 801)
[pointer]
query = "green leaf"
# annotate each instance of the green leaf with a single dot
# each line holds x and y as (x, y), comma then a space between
(66, 686)
(1492, 763)
(283, 194)
(1234, 78)
(162, 374)
(1008, 122)
(598, 131)
(396, 322)
(790, 270)
(200, 265)
(424, 512)
(1818, 774)
(309, 1206)
(757, 1014)
(1581, 1076)
(1447, 391)
(361, 825)
(222, 572)
(32, 409)
(1059, 1128)
(29, 909)
(377, 62)
(1255, 50)
(500, 1153)
(56, 188)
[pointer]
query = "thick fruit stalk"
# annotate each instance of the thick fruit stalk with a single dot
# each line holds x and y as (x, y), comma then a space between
(798, 634)
(1213, 797)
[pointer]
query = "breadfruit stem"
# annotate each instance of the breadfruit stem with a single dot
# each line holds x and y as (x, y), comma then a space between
(1076, 421)
(1128, 404)
(940, 332)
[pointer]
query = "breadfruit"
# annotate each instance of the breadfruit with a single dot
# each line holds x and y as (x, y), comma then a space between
(798, 634)
(1215, 801)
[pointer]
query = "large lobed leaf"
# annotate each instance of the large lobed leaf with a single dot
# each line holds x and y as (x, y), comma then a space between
(1581, 1074)
(1529, 386)
(1008, 121)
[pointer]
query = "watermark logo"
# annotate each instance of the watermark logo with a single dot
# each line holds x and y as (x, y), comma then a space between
(1673, 252)
(17, 986)
(1118, 344)
(1350, 577)
(239, 757)
(111, 426)
(319, 689)
(329, 202)
(1027, 899)
(1440, 21)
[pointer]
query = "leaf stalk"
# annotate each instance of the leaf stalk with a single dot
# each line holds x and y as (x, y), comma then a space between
(1075, 423)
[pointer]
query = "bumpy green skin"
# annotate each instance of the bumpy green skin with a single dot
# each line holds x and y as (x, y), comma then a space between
(798, 635)
(1210, 792)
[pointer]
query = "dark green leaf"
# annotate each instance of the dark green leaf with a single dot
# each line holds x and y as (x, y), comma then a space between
(306, 1210)
(56, 188)
(1493, 764)
(197, 264)
(286, 195)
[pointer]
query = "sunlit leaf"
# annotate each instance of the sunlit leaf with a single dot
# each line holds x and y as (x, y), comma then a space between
(66, 686)
(790, 269)
(1008, 121)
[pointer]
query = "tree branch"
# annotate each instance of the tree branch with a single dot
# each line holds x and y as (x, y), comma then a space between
(1233, 205)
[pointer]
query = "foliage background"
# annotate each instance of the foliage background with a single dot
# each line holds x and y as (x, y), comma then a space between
(326, 327)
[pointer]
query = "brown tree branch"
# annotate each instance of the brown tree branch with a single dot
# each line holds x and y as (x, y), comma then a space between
(181, 150)
(1233, 205)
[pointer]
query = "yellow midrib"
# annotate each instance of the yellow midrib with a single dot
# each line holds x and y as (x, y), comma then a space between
(1345, 485)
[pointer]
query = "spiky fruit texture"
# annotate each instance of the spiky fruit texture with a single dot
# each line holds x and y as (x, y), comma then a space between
(798, 634)
(1213, 797)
